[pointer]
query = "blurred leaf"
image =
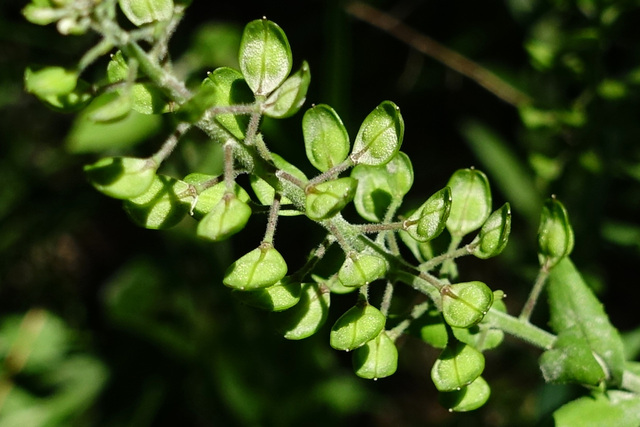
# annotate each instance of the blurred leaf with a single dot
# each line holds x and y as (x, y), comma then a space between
(613, 409)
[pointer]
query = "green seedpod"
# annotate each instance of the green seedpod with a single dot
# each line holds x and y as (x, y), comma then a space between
(433, 330)
(229, 88)
(279, 297)
(468, 398)
(471, 201)
(456, 367)
(260, 268)
(111, 107)
(122, 177)
(162, 206)
(289, 97)
(360, 269)
(42, 14)
(482, 336)
(379, 185)
(326, 140)
(70, 102)
(358, 325)
(380, 135)
(334, 284)
(210, 197)
(265, 56)
(328, 198)
(422, 251)
(378, 358)
(228, 216)
(265, 192)
(494, 233)
(465, 304)
(430, 219)
(141, 12)
(307, 317)
(555, 234)
(50, 81)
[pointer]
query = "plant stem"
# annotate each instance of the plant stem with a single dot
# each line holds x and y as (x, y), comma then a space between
(170, 144)
(520, 329)
(273, 219)
(463, 251)
(527, 310)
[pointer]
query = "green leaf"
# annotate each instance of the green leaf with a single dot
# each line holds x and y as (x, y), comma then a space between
(50, 81)
(379, 185)
(468, 398)
(380, 135)
(555, 235)
(361, 269)
(326, 199)
(279, 297)
(358, 325)
(430, 219)
(265, 56)
(305, 318)
(465, 304)
(229, 88)
(260, 268)
(494, 233)
(290, 96)
(162, 206)
(611, 409)
(575, 310)
(456, 367)
(326, 139)
(471, 201)
(122, 177)
(378, 358)
(141, 12)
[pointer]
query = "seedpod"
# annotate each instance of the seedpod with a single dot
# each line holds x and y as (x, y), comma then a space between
(227, 217)
(467, 398)
(265, 56)
(465, 304)
(482, 336)
(358, 325)
(110, 106)
(430, 219)
(229, 88)
(378, 358)
(141, 12)
(289, 97)
(380, 135)
(361, 269)
(260, 268)
(265, 192)
(470, 201)
(307, 316)
(328, 198)
(494, 234)
(457, 366)
(210, 197)
(555, 235)
(50, 81)
(122, 177)
(279, 297)
(162, 206)
(433, 330)
(326, 139)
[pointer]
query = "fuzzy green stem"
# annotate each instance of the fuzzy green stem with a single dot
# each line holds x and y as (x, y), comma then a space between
(433, 262)
(527, 310)
(273, 219)
(170, 144)
(520, 329)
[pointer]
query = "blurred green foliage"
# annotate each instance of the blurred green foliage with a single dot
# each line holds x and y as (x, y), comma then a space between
(103, 323)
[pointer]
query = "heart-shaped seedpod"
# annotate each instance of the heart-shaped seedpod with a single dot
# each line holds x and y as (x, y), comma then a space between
(265, 56)
(326, 139)
(141, 12)
(465, 304)
(430, 219)
(122, 177)
(50, 81)
(377, 358)
(468, 398)
(470, 201)
(279, 297)
(482, 336)
(457, 366)
(555, 235)
(494, 233)
(328, 198)
(360, 269)
(378, 186)
(289, 97)
(307, 316)
(380, 136)
(227, 217)
(162, 206)
(359, 324)
(209, 197)
(260, 268)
